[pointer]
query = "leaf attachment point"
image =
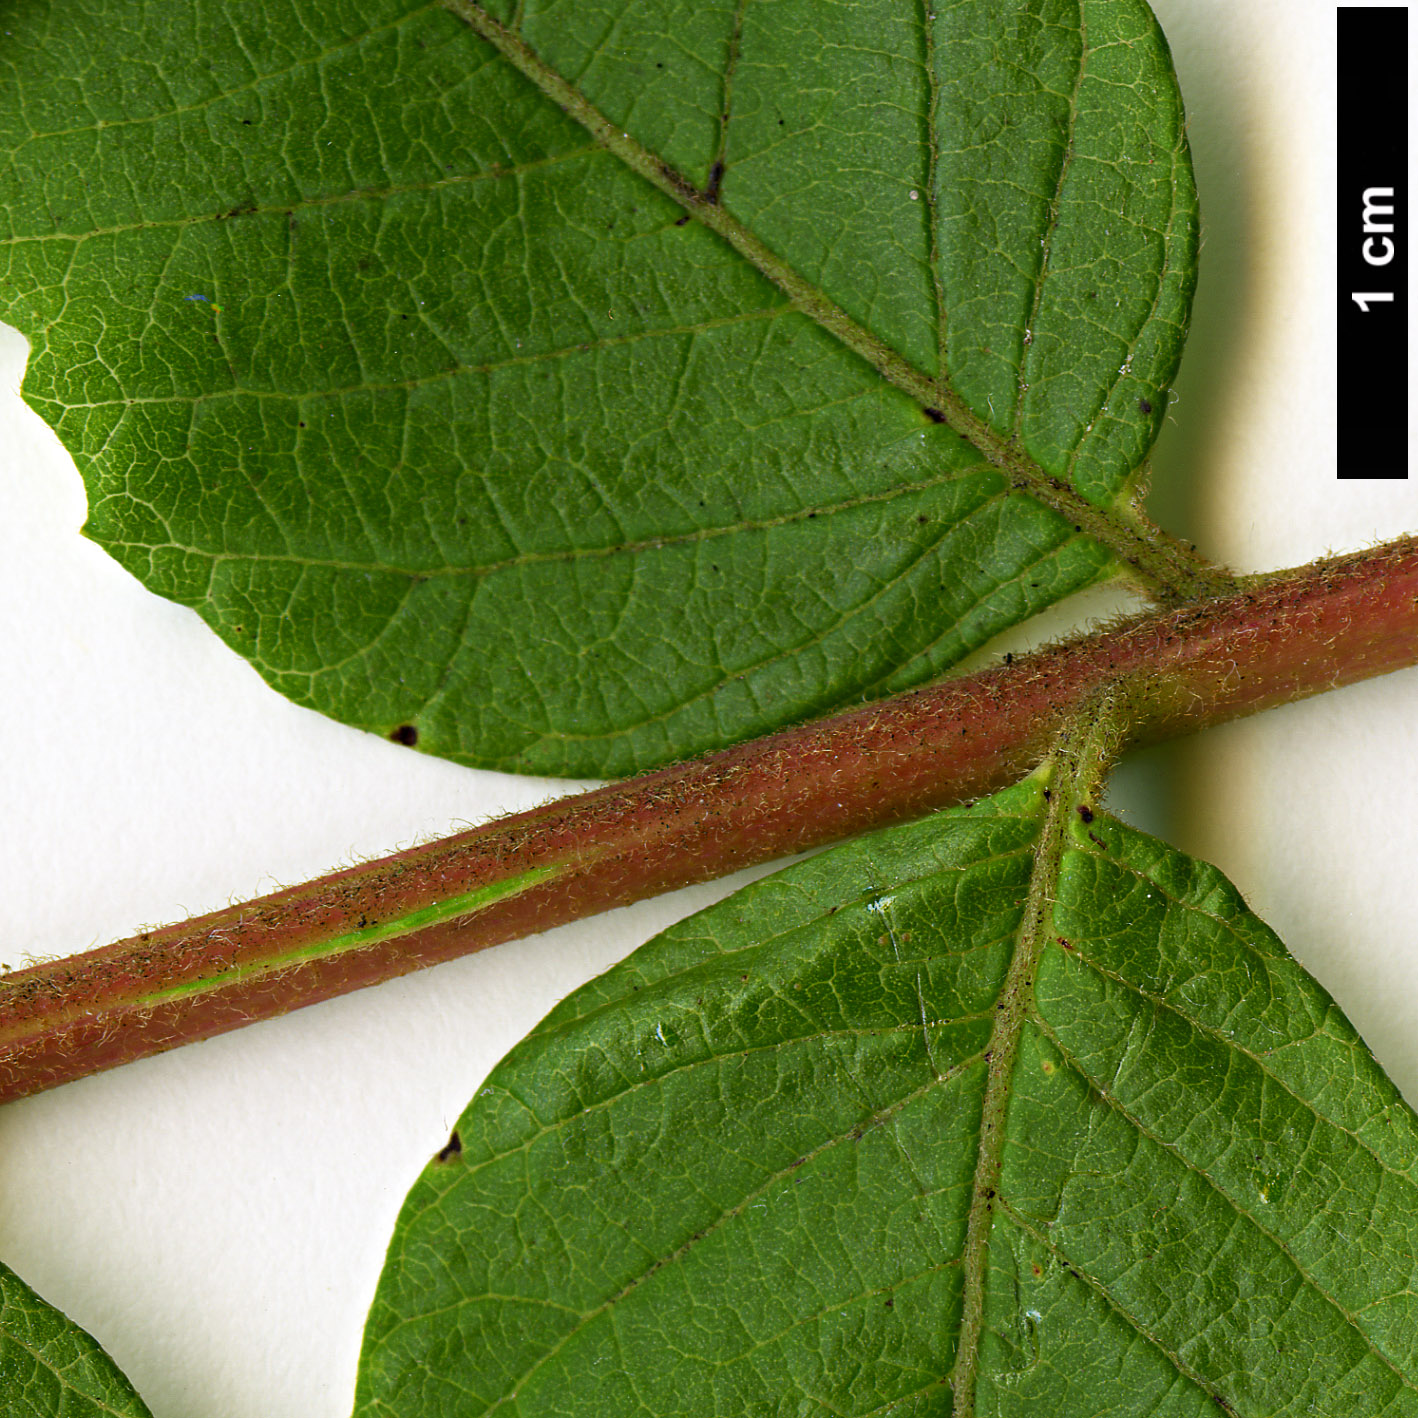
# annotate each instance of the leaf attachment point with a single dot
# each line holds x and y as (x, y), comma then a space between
(475, 441)
(1006, 1097)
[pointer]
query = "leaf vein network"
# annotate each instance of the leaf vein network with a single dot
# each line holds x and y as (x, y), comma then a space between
(1240, 1211)
(571, 554)
(878, 1116)
(1183, 1369)
(1211, 1031)
(301, 204)
(708, 1061)
(816, 636)
(351, 42)
(1040, 274)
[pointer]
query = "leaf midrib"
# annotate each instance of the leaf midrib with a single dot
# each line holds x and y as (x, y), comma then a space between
(1168, 568)
(1073, 772)
(545, 1032)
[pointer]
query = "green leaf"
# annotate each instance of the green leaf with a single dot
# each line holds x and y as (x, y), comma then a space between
(1014, 1111)
(562, 381)
(49, 1368)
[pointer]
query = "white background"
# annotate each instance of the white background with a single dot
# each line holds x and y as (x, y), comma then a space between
(217, 1216)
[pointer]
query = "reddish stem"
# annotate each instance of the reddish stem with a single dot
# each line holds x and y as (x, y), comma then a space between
(1276, 639)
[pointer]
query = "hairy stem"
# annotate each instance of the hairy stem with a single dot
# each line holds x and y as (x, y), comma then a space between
(1279, 638)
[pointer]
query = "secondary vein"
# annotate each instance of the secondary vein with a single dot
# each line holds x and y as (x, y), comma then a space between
(1046, 250)
(931, 205)
(1285, 1246)
(1166, 567)
(871, 1118)
(726, 105)
(655, 170)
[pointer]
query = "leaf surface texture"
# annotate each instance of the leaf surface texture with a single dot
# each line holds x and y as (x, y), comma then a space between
(50, 1368)
(1002, 1113)
(579, 448)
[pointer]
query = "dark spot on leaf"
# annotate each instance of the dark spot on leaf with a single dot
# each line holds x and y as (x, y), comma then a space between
(247, 122)
(1085, 812)
(934, 415)
(1144, 406)
(716, 181)
(405, 734)
(923, 519)
(890, 1303)
(452, 1148)
(1008, 658)
(683, 221)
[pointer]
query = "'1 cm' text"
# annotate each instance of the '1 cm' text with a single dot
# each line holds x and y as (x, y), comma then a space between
(1378, 245)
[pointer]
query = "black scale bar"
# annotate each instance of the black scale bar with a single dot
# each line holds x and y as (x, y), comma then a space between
(1372, 354)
